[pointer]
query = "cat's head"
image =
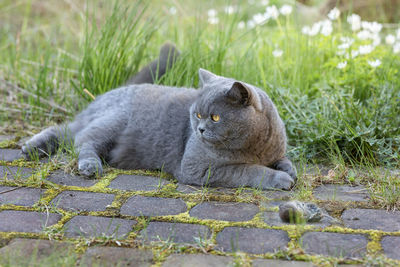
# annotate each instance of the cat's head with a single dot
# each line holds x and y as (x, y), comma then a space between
(228, 113)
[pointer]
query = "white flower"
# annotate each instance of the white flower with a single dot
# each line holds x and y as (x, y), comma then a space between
(355, 21)
(230, 10)
(212, 13)
(398, 34)
(213, 20)
(390, 39)
(306, 30)
(342, 65)
(396, 48)
(241, 25)
(264, 2)
(374, 63)
(373, 27)
(260, 18)
(344, 46)
(250, 24)
(376, 40)
(354, 53)
(364, 35)
(326, 28)
(286, 10)
(277, 53)
(334, 14)
(345, 39)
(315, 29)
(172, 10)
(365, 49)
(272, 12)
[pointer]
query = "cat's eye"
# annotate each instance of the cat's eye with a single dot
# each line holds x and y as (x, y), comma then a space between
(215, 117)
(198, 115)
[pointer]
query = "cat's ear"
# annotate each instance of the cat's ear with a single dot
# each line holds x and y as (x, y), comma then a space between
(243, 94)
(205, 76)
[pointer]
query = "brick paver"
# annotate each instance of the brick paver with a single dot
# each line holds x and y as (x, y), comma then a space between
(335, 244)
(197, 260)
(388, 221)
(89, 226)
(174, 232)
(20, 196)
(252, 240)
(153, 206)
(224, 211)
(10, 154)
(117, 256)
(13, 173)
(26, 221)
(342, 192)
(82, 201)
(62, 178)
(391, 246)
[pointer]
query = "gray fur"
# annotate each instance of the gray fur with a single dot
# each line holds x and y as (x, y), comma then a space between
(149, 126)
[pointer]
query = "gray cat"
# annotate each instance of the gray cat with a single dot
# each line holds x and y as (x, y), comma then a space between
(226, 133)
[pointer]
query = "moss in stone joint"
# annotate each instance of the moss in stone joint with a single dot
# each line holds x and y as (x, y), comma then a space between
(374, 245)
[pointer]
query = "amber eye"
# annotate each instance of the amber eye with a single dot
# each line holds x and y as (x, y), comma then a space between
(198, 115)
(215, 117)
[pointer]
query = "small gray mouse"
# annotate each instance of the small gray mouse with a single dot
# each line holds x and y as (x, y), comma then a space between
(226, 133)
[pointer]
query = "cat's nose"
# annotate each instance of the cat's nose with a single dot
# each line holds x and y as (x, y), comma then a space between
(201, 130)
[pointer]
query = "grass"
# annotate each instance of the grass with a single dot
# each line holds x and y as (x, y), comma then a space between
(50, 53)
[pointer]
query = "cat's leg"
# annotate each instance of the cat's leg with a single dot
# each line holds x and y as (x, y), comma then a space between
(286, 165)
(237, 175)
(93, 142)
(47, 141)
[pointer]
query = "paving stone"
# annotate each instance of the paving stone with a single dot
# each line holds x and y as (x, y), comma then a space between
(13, 172)
(225, 211)
(391, 246)
(20, 196)
(26, 252)
(388, 221)
(153, 206)
(335, 244)
(26, 221)
(10, 154)
(272, 218)
(115, 256)
(82, 201)
(280, 263)
(137, 182)
(91, 226)
(252, 240)
(197, 260)
(341, 192)
(174, 232)
(62, 178)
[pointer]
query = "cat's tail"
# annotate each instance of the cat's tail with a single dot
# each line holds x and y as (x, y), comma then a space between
(157, 68)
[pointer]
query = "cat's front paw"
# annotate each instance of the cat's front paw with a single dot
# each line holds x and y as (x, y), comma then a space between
(90, 167)
(281, 180)
(30, 150)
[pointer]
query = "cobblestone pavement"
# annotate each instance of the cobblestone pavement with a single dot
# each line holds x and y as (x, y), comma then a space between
(137, 218)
